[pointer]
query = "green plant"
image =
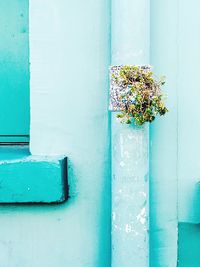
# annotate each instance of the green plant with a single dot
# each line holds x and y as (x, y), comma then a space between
(139, 94)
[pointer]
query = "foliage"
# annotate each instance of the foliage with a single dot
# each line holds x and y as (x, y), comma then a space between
(142, 97)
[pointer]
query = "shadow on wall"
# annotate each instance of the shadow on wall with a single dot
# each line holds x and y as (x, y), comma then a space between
(189, 245)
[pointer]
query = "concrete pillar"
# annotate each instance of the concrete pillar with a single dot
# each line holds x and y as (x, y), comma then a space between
(130, 45)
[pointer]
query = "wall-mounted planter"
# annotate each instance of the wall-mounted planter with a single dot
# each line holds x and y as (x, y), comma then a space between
(118, 89)
(136, 93)
(32, 179)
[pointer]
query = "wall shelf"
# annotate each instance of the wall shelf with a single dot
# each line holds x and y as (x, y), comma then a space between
(31, 179)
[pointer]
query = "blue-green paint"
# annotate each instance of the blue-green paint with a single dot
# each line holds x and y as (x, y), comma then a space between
(14, 66)
(130, 191)
(188, 137)
(28, 179)
(175, 140)
(14, 153)
(69, 42)
(130, 32)
(130, 196)
(70, 56)
(164, 134)
(189, 245)
(188, 112)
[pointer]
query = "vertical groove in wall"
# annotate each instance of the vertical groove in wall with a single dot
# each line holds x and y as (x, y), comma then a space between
(177, 101)
(110, 133)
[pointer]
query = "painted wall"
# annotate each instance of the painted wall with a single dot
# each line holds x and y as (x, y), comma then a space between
(175, 207)
(69, 55)
(14, 66)
(164, 134)
(189, 132)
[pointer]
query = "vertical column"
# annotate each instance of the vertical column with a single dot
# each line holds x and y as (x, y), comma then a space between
(130, 45)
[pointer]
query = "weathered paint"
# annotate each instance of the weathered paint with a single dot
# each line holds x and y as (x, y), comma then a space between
(130, 32)
(31, 179)
(130, 197)
(14, 66)
(164, 134)
(130, 244)
(69, 112)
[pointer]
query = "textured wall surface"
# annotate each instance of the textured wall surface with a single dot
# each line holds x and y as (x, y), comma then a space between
(69, 54)
(130, 196)
(130, 45)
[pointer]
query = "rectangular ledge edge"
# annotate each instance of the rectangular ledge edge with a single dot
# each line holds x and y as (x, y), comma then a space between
(34, 180)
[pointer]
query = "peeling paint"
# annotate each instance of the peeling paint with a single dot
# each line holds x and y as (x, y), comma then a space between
(130, 197)
(130, 169)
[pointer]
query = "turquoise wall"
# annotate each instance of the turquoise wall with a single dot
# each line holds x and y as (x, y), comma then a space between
(189, 244)
(163, 139)
(175, 172)
(189, 142)
(69, 55)
(14, 66)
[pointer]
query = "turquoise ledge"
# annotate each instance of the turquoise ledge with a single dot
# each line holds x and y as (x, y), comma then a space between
(31, 179)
